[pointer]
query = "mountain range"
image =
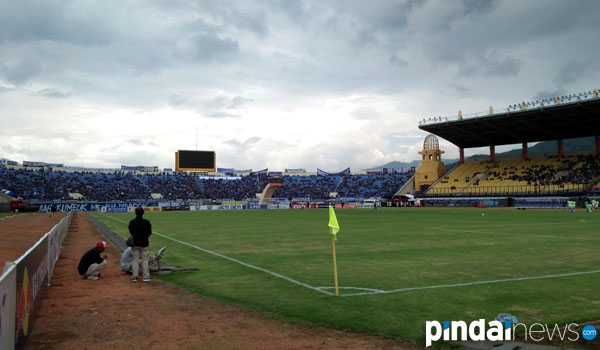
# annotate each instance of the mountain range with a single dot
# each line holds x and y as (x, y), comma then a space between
(544, 147)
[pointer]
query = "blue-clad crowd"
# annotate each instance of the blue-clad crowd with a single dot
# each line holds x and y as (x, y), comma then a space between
(46, 185)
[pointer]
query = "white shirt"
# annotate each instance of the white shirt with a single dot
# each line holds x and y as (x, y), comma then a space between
(126, 259)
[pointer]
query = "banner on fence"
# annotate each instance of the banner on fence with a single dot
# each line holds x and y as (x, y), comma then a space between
(8, 301)
(216, 207)
(48, 207)
(146, 209)
(55, 238)
(32, 275)
(114, 210)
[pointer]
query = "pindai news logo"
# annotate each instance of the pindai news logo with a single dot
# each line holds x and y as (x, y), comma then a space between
(479, 330)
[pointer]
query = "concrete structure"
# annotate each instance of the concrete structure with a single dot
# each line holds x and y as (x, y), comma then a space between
(431, 167)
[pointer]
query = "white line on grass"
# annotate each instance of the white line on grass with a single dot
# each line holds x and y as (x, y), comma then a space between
(534, 224)
(10, 216)
(278, 275)
(376, 291)
(513, 234)
(477, 283)
(370, 291)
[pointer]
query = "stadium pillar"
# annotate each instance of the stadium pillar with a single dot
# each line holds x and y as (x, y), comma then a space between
(597, 144)
(524, 150)
(462, 154)
(492, 153)
(560, 148)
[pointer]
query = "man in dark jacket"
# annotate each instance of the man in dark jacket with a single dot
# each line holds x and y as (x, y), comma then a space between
(140, 229)
(91, 263)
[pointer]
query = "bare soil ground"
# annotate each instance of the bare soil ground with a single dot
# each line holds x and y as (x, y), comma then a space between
(19, 233)
(114, 313)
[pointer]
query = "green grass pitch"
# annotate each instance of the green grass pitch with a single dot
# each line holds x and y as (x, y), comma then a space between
(390, 251)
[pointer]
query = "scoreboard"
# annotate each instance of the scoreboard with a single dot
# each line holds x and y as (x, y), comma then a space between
(195, 161)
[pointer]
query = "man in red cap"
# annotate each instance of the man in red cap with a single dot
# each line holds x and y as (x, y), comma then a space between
(91, 263)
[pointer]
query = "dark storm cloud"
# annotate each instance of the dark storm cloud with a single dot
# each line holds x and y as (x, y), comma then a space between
(59, 21)
(245, 16)
(571, 71)
(487, 38)
(479, 6)
(231, 59)
(505, 67)
(21, 71)
(211, 47)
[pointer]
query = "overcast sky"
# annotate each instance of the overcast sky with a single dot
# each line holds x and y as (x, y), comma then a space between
(274, 84)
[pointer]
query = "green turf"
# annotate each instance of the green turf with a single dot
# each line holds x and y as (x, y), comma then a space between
(7, 214)
(388, 249)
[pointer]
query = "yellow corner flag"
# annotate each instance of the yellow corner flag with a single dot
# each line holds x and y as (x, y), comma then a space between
(334, 227)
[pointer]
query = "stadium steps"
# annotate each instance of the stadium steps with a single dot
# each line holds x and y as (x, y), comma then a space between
(407, 188)
(474, 179)
(445, 176)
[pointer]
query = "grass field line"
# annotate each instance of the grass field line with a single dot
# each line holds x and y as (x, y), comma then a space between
(376, 291)
(535, 224)
(272, 273)
(10, 216)
(465, 284)
(513, 234)
(369, 291)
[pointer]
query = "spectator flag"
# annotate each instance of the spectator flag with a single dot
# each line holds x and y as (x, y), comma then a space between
(334, 227)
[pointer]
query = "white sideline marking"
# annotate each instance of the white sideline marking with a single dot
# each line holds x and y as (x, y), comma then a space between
(278, 275)
(10, 216)
(371, 291)
(376, 291)
(533, 224)
(512, 234)
(478, 282)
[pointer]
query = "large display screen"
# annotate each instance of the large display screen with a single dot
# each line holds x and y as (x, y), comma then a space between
(195, 161)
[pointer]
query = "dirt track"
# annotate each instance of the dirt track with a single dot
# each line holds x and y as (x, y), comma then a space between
(19, 233)
(114, 313)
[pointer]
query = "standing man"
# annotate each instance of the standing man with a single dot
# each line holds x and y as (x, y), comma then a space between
(91, 263)
(140, 229)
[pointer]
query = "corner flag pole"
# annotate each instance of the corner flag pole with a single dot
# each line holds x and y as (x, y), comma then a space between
(335, 278)
(334, 228)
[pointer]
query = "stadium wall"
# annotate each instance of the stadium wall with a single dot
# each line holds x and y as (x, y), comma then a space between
(8, 304)
(22, 282)
(5, 202)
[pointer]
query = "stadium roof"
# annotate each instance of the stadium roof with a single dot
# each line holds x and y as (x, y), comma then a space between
(545, 121)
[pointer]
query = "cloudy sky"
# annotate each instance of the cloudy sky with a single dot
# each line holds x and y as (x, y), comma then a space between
(274, 83)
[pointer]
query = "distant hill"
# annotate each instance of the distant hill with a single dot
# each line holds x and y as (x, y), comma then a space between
(397, 165)
(546, 147)
(549, 147)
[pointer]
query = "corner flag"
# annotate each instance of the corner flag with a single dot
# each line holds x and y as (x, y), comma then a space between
(334, 227)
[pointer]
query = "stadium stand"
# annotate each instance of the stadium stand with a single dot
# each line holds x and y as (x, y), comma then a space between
(43, 185)
(550, 119)
(512, 177)
(344, 186)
